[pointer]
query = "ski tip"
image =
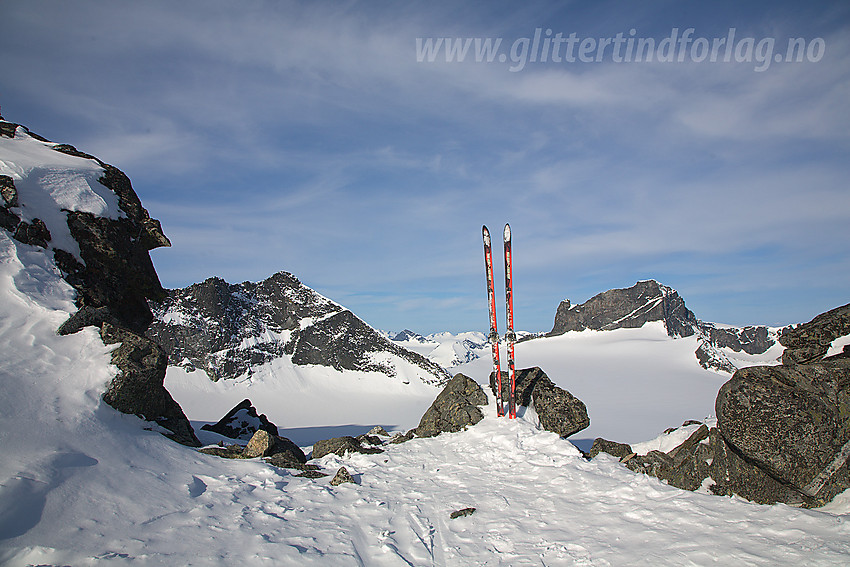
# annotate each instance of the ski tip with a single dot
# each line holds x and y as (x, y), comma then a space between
(486, 234)
(507, 232)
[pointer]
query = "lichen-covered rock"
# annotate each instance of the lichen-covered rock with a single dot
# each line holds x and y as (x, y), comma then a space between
(559, 411)
(342, 477)
(341, 446)
(454, 409)
(600, 445)
(793, 422)
(260, 445)
(810, 341)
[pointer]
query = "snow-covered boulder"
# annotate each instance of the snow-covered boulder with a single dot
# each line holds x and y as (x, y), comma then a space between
(242, 422)
(85, 215)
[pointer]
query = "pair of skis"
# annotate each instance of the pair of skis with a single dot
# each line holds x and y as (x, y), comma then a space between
(510, 337)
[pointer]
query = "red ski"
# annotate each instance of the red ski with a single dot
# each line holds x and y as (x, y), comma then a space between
(494, 334)
(510, 336)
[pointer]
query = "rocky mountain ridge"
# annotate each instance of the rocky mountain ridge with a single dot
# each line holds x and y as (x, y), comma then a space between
(228, 330)
(649, 300)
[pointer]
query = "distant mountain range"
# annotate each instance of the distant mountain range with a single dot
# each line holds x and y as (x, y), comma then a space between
(631, 307)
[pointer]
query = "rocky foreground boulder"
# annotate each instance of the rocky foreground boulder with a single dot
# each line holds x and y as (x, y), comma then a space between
(109, 266)
(559, 411)
(242, 422)
(455, 408)
(782, 434)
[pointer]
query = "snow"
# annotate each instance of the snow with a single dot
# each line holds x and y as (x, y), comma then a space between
(81, 484)
(837, 346)
(635, 382)
(49, 182)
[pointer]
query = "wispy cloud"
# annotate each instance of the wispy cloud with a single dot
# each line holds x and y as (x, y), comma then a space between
(305, 136)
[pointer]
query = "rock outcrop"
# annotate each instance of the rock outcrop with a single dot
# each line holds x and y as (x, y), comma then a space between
(106, 260)
(627, 308)
(810, 341)
(782, 434)
(229, 329)
(648, 301)
(242, 422)
(559, 411)
(454, 409)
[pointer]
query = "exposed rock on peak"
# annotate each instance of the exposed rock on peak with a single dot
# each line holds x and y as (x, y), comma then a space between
(627, 308)
(229, 329)
(651, 301)
(242, 422)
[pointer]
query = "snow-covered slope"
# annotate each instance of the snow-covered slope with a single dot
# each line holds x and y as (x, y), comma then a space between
(446, 349)
(636, 382)
(81, 484)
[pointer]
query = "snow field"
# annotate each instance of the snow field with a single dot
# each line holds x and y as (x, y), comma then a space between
(81, 484)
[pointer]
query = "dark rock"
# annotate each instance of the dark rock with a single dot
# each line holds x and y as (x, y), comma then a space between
(461, 513)
(242, 422)
(113, 284)
(341, 446)
(688, 447)
(8, 192)
(284, 448)
(810, 341)
(558, 410)
(750, 339)
(619, 450)
(455, 408)
(288, 455)
(687, 470)
(311, 474)
(138, 387)
(710, 357)
(732, 473)
(35, 233)
(402, 437)
(7, 129)
(793, 422)
(225, 451)
(651, 301)
(627, 308)
(217, 319)
(342, 477)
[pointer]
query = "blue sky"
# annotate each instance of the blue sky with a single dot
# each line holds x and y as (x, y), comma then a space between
(306, 136)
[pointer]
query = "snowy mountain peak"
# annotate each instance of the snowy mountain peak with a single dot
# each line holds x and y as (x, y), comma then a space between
(231, 330)
(649, 300)
(631, 307)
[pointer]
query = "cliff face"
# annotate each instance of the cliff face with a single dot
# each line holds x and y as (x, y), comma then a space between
(651, 301)
(627, 308)
(85, 214)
